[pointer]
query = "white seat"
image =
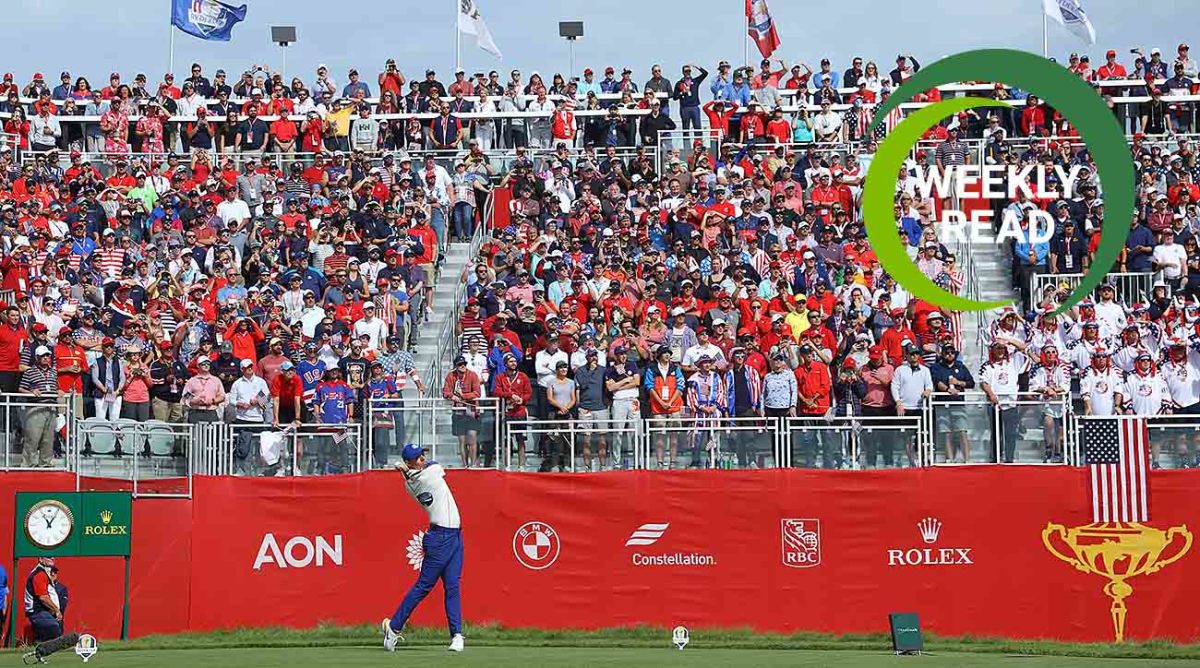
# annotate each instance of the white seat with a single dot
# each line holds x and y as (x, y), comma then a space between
(99, 433)
(160, 438)
(130, 434)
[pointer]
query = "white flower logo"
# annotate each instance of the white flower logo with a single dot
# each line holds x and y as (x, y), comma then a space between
(416, 551)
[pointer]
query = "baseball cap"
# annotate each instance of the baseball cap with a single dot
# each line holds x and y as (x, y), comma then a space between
(286, 365)
(411, 452)
(41, 350)
(246, 363)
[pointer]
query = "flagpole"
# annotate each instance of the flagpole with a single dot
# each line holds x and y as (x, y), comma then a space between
(171, 58)
(1045, 38)
(457, 38)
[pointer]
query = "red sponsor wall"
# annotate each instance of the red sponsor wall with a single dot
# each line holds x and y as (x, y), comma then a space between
(773, 550)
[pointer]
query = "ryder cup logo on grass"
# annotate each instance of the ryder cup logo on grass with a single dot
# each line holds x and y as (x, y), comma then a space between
(1066, 92)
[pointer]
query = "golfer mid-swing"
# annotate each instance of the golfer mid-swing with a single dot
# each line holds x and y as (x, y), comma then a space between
(442, 544)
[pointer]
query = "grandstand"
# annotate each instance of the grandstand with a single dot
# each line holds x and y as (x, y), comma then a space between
(146, 170)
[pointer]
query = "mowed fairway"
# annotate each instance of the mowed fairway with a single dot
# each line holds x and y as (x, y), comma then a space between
(325, 657)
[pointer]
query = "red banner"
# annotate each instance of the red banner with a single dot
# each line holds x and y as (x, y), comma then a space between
(812, 550)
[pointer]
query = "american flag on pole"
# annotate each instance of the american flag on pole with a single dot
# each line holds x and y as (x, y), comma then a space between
(1118, 457)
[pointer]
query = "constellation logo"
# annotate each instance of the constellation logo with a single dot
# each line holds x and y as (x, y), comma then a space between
(930, 530)
(647, 534)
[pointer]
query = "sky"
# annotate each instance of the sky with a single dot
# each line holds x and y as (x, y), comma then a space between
(129, 36)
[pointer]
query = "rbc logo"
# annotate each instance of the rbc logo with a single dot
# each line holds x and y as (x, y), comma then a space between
(801, 542)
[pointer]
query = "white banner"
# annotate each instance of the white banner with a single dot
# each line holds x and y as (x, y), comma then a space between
(1070, 15)
(471, 22)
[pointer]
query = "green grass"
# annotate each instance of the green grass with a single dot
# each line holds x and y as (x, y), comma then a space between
(334, 646)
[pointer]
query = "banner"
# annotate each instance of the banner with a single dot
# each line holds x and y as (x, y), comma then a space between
(211, 20)
(974, 550)
(470, 22)
(1070, 15)
(761, 28)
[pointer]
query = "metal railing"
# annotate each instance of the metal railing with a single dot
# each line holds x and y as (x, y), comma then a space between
(1130, 287)
(601, 444)
(969, 429)
(1174, 439)
(37, 431)
(153, 458)
(156, 458)
(436, 424)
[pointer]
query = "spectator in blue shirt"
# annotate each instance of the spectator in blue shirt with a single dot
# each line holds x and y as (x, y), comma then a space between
(1139, 247)
(818, 79)
(355, 85)
(1030, 258)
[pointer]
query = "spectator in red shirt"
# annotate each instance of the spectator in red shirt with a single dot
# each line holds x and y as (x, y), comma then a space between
(13, 339)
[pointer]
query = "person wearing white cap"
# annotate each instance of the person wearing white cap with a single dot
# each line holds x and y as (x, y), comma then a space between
(374, 328)
(203, 393)
(40, 380)
(680, 337)
(249, 396)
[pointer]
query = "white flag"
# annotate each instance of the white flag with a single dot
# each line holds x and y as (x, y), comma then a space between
(471, 23)
(1071, 16)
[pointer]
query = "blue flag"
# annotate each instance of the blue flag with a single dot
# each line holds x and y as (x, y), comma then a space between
(206, 19)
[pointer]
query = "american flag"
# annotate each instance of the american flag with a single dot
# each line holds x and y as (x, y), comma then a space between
(1118, 456)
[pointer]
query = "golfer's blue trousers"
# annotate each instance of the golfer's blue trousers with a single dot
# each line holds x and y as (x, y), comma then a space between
(443, 560)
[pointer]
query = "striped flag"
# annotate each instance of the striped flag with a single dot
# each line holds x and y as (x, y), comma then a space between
(1118, 457)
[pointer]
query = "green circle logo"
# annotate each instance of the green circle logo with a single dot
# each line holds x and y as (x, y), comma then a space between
(1066, 92)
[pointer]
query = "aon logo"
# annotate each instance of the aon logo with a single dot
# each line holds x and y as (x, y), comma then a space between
(298, 552)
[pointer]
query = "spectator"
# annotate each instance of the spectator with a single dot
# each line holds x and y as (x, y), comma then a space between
(249, 397)
(203, 393)
(40, 380)
(951, 377)
(592, 408)
(462, 389)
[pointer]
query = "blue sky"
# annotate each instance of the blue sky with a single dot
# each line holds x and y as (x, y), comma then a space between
(94, 38)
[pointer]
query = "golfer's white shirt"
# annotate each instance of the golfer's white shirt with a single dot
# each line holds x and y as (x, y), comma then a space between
(428, 486)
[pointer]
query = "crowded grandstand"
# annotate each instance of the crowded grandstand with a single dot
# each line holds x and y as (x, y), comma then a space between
(663, 268)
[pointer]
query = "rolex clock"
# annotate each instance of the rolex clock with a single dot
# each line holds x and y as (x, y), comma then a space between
(49, 523)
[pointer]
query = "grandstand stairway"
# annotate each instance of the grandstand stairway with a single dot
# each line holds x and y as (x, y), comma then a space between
(992, 283)
(428, 341)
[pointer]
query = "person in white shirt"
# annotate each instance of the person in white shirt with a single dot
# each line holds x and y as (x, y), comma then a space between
(1170, 258)
(827, 125)
(249, 397)
(704, 348)
(442, 547)
(234, 212)
(1108, 311)
(998, 380)
(911, 385)
(1050, 379)
(587, 342)
(1101, 386)
(374, 328)
(1181, 372)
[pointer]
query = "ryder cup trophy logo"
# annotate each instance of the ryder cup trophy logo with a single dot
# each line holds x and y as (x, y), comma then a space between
(86, 647)
(1119, 543)
(680, 637)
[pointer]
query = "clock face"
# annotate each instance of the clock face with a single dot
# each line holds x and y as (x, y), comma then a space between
(49, 524)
